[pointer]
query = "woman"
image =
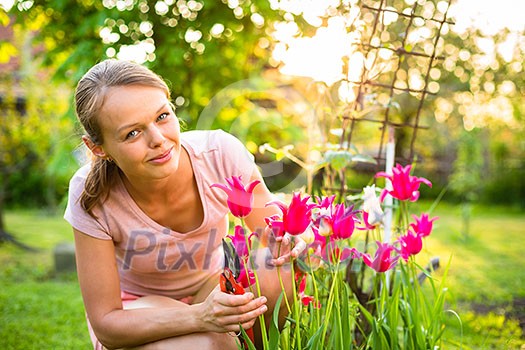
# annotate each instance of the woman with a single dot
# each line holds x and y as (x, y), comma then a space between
(148, 225)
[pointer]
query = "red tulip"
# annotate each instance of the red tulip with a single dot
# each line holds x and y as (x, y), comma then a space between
(325, 202)
(240, 198)
(335, 220)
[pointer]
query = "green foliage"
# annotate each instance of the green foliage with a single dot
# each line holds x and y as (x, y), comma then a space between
(506, 187)
(466, 180)
(200, 66)
(31, 127)
(198, 46)
(508, 168)
(467, 176)
(29, 139)
(405, 317)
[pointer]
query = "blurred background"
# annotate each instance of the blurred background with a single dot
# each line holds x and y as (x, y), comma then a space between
(314, 89)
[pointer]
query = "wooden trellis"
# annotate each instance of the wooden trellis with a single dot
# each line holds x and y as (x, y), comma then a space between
(410, 35)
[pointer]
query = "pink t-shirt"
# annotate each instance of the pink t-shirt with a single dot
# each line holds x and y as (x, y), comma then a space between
(153, 259)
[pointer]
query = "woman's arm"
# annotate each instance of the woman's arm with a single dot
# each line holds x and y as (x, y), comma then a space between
(261, 196)
(115, 327)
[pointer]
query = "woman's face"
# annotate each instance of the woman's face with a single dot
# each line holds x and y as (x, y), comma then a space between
(141, 132)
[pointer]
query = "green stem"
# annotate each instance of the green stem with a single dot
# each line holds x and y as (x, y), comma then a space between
(282, 283)
(297, 308)
(416, 301)
(257, 286)
(376, 290)
(404, 215)
(330, 303)
(316, 292)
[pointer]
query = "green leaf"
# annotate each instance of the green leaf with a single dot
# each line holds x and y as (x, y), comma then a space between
(338, 160)
(274, 333)
(345, 312)
(363, 158)
(248, 341)
(314, 342)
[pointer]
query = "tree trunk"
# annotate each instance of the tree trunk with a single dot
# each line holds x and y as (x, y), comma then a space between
(6, 237)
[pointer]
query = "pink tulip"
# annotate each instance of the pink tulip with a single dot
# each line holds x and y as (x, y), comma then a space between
(423, 226)
(239, 241)
(240, 198)
(383, 261)
(297, 216)
(246, 277)
(343, 221)
(276, 225)
(317, 247)
(335, 220)
(404, 185)
(366, 222)
(325, 202)
(411, 244)
(323, 216)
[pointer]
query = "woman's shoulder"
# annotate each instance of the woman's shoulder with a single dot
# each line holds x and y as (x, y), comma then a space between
(79, 177)
(209, 140)
(223, 154)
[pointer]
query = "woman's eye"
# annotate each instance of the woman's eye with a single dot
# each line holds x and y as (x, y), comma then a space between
(162, 116)
(131, 134)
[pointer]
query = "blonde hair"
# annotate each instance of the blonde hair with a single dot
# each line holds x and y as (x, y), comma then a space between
(90, 96)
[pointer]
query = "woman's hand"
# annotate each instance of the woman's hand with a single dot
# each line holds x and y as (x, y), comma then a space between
(280, 247)
(222, 312)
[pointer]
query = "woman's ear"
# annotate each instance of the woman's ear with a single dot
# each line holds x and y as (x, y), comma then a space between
(97, 150)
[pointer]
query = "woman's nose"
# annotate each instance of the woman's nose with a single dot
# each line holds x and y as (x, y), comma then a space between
(156, 137)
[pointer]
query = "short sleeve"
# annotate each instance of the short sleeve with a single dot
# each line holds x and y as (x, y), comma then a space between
(238, 160)
(76, 216)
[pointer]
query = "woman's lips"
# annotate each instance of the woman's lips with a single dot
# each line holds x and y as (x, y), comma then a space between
(163, 158)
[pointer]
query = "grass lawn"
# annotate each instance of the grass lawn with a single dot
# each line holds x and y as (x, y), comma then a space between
(42, 310)
(38, 309)
(486, 277)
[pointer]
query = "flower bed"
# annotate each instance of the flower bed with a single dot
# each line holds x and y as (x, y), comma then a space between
(358, 283)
